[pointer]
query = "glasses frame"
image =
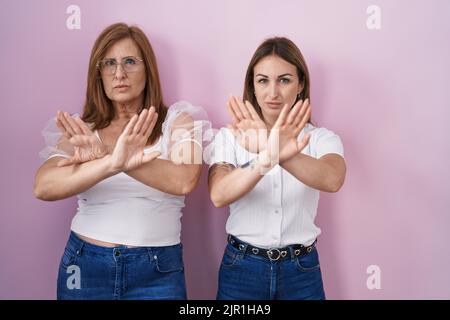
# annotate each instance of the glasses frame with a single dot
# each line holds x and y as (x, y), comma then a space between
(99, 65)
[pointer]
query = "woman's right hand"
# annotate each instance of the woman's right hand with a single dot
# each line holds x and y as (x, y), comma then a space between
(128, 152)
(247, 127)
(86, 145)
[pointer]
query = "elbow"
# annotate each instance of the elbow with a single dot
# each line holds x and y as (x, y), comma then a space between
(39, 193)
(43, 193)
(186, 189)
(217, 200)
(335, 185)
(188, 186)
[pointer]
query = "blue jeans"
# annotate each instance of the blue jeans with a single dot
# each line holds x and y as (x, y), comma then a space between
(244, 276)
(87, 271)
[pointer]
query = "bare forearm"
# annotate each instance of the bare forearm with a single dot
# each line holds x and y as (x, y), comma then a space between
(313, 172)
(168, 177)
(229, 187)
(55, 183)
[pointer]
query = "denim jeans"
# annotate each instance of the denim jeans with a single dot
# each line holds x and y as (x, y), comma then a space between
(87, 271)
(244, 276)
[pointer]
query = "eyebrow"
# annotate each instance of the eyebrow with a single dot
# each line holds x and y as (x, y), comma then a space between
(280, 76)
(120, 59)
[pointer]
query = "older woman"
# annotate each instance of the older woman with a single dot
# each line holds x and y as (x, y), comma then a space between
(269, 167)
(129, 160)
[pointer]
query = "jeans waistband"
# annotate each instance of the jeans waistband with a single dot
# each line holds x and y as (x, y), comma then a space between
(79, 244)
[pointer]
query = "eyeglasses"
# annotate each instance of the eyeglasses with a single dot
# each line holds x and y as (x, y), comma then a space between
(129, 64)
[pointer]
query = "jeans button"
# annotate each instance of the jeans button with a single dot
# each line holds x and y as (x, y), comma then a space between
(117, 253)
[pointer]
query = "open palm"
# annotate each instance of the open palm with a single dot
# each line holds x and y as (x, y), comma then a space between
(129, 150)
(282, 142)
(247, 127)
(86, 145)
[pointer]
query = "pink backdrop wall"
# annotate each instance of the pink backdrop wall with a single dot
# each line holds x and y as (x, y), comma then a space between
(385, 92)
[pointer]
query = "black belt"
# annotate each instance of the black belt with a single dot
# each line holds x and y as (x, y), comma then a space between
(273, 254)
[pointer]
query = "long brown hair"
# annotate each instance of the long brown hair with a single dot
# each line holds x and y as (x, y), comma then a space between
(98, 109)
(286, 50)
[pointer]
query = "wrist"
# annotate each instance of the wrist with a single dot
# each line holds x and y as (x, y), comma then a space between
(264, 162)
(111, 168)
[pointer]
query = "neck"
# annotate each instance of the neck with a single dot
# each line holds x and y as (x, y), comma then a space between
(124, 111)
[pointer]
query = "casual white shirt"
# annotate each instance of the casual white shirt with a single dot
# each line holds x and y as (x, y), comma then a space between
(280, 210)
(121, 209)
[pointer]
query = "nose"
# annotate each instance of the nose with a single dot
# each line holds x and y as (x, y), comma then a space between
(120, 72)
(274, 90)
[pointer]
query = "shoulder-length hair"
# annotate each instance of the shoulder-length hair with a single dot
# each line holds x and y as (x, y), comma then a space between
(286, 50)
(98, 109)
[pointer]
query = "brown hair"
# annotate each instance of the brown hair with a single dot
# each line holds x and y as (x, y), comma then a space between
(286, 50)
(98, 109)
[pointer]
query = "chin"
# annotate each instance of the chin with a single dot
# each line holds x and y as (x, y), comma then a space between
(272, 111)
(125, 98)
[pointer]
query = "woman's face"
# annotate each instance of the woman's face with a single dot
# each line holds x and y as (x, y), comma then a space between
(122, 86)
(276, 83)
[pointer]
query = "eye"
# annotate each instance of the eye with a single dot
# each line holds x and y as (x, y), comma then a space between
(130, 61)
(285, 80)
(262, 80)
(109, 62)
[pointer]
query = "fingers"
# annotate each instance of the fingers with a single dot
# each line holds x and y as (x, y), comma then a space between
(243, 108)
(233, 115)
(152, 117)
(84, 128)
(72, 123)
(65, 162)
(282, 117)
(300, 117)
(252, 111)
(129, 128)
(305, 118)
(236, 108)
(294, 112)
(64, 125)
(141, 119)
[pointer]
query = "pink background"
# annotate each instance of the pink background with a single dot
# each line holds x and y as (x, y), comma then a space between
(385, 92)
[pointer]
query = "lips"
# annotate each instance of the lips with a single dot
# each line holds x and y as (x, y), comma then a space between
(121, 86)
(274, 105)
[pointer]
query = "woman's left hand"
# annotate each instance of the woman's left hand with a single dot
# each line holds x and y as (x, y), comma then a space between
(283, 140)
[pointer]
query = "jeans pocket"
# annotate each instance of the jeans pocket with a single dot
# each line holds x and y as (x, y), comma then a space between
(68, 258)
(169, 259)
(308, 262)
(229, 258)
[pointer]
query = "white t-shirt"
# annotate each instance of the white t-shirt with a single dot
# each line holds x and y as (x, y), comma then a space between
(280, 210)
(120, 209)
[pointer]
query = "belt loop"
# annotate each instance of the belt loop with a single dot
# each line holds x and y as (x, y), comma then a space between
(80, 248)
(151, 256)
(292, 252)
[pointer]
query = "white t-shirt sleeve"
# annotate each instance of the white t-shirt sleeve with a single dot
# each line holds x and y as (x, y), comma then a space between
(221, 149)
(324, 141)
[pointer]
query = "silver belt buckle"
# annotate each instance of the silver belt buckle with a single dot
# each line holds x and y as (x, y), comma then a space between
(270, 254)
